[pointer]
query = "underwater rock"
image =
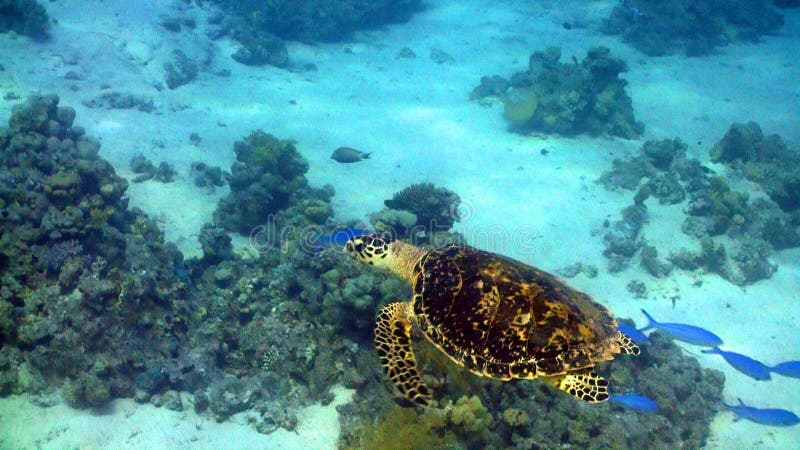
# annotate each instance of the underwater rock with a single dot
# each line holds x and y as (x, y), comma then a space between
(622, 241)
(229, 397)
(87, 269)
(654, 266)
(395, 222)
(574, 269)
(205, 175)
(144, 167)
(25, 17)
(767, 160)
(625, 173)
(317, 20)
(666, 188)
(176, 24)
(406, 52)
(663, 27)
(180, 70)
(165, 173)
(637, 288)
(436, 208)
(553, 97)
(260, 48)
(121, 100)
(491, 86)
(440, 56)
(662, 153)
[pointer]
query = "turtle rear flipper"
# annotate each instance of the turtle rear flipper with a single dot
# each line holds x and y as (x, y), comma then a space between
(393, 341)
(583, 384)
(627, 345)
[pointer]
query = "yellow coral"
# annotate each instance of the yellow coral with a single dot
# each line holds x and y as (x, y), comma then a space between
(401, 429)
(471, 415)
(520, 105)
(515, 417)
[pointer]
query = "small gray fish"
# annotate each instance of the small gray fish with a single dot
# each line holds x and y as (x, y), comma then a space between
(348, 155)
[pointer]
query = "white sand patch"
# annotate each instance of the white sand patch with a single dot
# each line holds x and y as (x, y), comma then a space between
(125, 424)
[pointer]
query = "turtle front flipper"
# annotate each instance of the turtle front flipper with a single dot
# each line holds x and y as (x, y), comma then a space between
(393, 340)
(583, 384)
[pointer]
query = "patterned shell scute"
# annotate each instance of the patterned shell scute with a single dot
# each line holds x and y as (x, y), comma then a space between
(502, 318)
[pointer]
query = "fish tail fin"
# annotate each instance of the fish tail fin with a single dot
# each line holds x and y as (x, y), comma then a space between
(365, 155)
(731, 407)
(651, 323)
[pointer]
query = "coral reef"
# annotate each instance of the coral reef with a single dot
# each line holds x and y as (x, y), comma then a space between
(93, 299)
(320, 20)
(164, 173)
(663, 27)
(436, 209)
(261, 28)
(93, 285)
(259, 48)
(121, 100)
(623, 240)
(26, 17)
(393, 221)
(205, 175)
(554, 97)
(268, 186)
(767, 160)
(752, 229)
(180, 70)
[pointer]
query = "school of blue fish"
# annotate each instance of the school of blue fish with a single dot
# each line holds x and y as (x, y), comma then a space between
(704, 338)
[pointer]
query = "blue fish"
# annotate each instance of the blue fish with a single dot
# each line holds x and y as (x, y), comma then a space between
(745, 364)
(629, 330)
(771, 417)
(337, 238)
(788, 369)
(686, 333)
(635, 402)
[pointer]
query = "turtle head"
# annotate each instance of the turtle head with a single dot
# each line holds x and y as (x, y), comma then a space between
(383, 250)
(369, 248)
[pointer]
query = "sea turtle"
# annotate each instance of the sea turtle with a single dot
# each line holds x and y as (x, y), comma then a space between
(495, 316)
